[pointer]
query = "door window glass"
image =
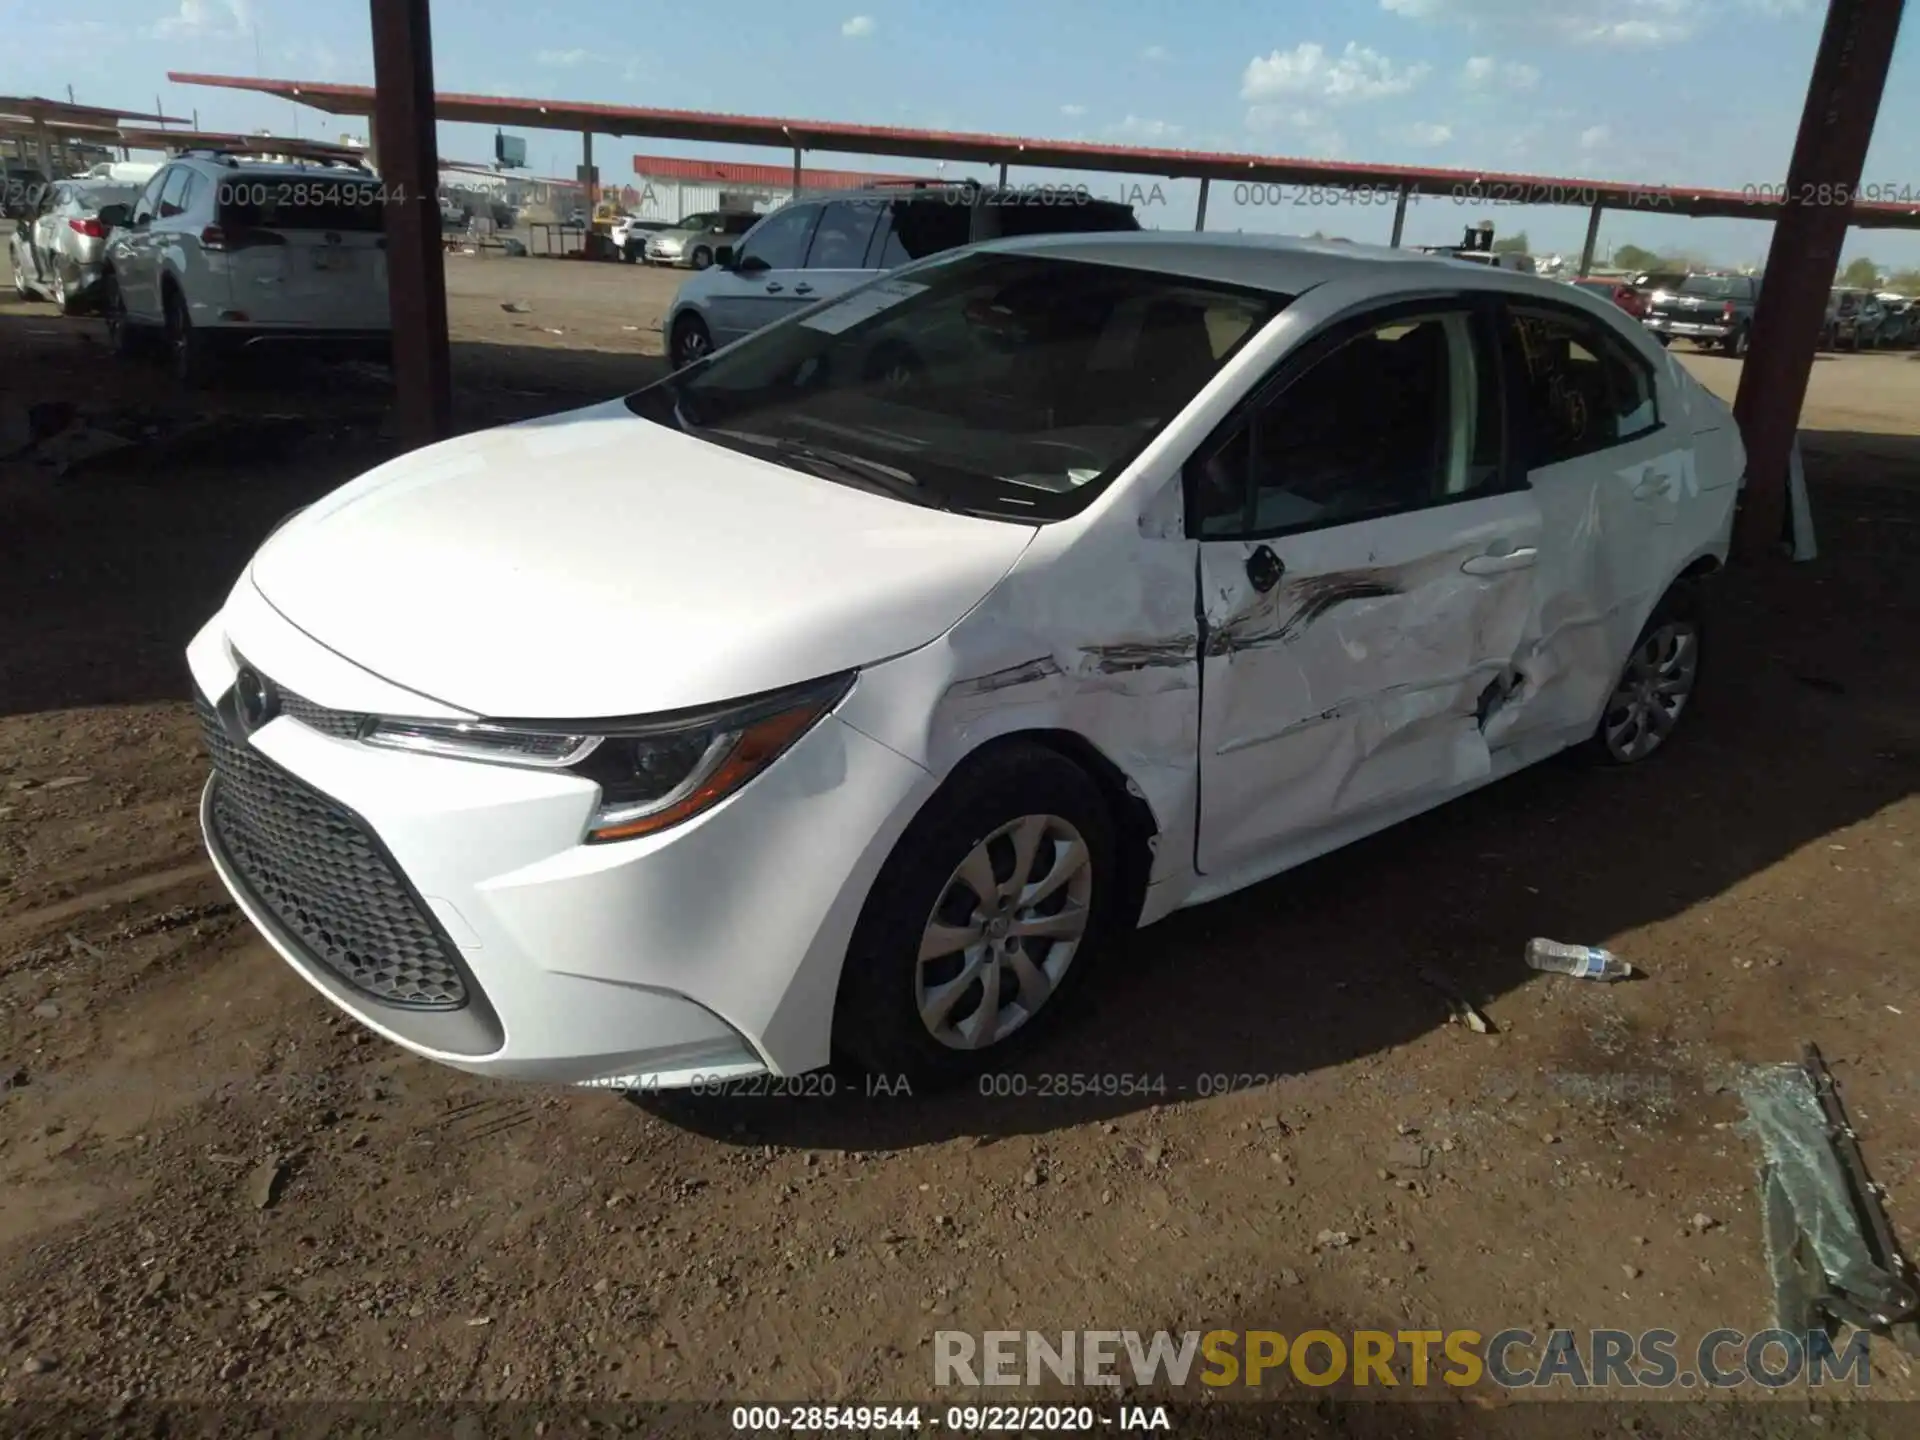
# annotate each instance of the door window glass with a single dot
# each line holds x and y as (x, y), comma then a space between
(172, 197)
(1399, 416)
(149, 202)
(781, 240)
(841, 241)
(1579, 388)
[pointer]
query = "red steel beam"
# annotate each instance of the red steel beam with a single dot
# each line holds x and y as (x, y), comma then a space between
(405, 143)
(1843, 100)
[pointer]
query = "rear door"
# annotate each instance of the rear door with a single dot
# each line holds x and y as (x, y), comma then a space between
(44, 241)
(1367, 561)
(305, 251)
(837, 255)
(1610, 460)
(136, 251)
(758, 288)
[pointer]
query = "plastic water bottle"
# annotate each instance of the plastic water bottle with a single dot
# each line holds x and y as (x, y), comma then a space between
(1583, 962)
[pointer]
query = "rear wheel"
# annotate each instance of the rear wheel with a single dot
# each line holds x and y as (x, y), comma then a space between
(992, 909)
(187, 351)
(62, 297)
(120, 335)
(702, 259)
(1656, 688)
(1737, 343)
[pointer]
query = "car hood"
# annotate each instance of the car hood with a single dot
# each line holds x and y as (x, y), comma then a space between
(594, 564)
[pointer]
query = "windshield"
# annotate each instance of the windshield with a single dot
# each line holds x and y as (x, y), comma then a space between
(1009, 385)
(1715, 287)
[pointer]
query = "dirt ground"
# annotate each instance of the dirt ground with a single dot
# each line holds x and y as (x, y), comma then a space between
(212, 1186)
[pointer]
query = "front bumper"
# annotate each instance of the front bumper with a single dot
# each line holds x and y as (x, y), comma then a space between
(1689, 329)
(712, 950)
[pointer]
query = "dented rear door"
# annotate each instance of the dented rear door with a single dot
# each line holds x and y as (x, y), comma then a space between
(1350, 664)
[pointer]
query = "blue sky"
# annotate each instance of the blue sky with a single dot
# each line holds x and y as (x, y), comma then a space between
(1690, 91)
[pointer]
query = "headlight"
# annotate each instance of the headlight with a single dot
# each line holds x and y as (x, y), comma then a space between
(652, 774)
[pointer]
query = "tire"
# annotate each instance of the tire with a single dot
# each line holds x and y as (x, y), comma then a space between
(121, 339)
(20, 286)
(691, 341)
(62, 297)
(1013, 790)
(1661, 679)
(187, 352)
(701, 259)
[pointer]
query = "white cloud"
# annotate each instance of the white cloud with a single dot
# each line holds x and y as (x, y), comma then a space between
(1154, 52)
(1483, 72)
(1426, 133)
(857, 27)
(563, 59)
(1074, 110)
(1594, 136)
(1136, 127)
(206, 19)
(1603, 22)
(1309, 71)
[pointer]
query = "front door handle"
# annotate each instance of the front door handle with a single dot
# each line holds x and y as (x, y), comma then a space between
(1501, 564)
(803, 289)
(774, 287)
(1264, 569)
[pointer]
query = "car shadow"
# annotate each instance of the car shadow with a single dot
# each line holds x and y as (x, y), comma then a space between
(1322, 966)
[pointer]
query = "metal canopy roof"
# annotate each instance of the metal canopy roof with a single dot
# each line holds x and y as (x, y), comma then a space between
(1471, 187)
(236, 144)
(26, 112)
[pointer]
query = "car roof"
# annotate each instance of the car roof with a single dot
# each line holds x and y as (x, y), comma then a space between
(1282, 264)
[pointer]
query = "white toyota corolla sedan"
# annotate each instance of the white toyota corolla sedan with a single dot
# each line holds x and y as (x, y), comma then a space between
(845, 693)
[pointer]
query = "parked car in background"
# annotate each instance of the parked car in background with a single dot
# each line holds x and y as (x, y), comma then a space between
(1854, 319)
(812, 250)
(21, 186)
(1900, 327)
(1620, 291)
(224, 252)
(699, 241)
(1713, 310)
(59, 251)
(629, 234)
(930, 694)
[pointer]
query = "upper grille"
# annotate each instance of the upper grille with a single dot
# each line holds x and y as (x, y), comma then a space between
(344, 724)
(327, 881)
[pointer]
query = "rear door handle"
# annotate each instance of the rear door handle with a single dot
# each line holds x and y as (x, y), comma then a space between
(803, 289)
(1501, 564)
(774, 287)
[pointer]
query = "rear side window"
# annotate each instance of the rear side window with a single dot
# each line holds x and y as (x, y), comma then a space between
(915, 229)
(840, 242)
(1578, 389)
(318, 201)
(1077, 217)
(173, 199)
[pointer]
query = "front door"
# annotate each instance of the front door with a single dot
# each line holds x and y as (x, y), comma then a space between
(759, 286)
(1367, 557)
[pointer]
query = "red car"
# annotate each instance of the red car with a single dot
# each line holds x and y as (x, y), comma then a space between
(1620, 292)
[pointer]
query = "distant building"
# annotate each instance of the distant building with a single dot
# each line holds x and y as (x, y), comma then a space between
(669, 188)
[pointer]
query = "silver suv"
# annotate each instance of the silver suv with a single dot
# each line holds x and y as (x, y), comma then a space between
(223, 253)
(816, 248)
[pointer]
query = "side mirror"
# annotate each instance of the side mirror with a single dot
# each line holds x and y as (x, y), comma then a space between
(115, 217)
(748, 264)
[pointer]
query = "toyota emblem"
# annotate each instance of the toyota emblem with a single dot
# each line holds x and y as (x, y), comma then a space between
(254, 699)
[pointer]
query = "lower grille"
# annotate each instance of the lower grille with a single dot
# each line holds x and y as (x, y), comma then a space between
(323, 876)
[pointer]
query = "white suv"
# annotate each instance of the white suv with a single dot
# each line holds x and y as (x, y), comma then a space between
(223, 254)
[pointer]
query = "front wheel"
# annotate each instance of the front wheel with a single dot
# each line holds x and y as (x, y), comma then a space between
(187, 350)
(992, 909)
(702, 259)
(1656, 687)
(690, 342)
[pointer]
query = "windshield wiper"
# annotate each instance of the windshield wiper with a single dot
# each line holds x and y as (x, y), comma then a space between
(889, 479)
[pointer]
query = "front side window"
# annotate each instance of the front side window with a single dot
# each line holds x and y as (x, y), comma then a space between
(1007, 385)
(149, 202)
(780, 241)
(1399, 415)
(1578, 389)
